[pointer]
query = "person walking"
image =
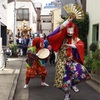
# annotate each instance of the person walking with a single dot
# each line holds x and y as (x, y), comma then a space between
(24, 46)
(70, 55)
(34, 64)
(52, 57)
(20, 45)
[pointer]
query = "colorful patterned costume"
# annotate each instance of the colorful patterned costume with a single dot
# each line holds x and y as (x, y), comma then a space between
(34, 64)
(68, 73)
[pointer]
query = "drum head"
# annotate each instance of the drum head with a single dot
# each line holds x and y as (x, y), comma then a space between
(43, 53)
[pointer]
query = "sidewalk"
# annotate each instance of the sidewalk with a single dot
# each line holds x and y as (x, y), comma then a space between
(9, 77)
(94, 82)
(96, 77)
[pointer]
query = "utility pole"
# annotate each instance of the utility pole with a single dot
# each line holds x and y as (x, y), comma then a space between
(14, 37)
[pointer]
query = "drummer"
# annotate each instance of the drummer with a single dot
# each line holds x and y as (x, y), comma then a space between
(34, 64)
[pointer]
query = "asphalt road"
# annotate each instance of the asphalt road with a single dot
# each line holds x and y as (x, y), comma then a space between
(36, 92)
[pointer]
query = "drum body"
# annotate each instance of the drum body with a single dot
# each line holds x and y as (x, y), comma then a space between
(43, 53)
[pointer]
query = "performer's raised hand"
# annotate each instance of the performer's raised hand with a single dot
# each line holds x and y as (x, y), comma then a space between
(70, 18)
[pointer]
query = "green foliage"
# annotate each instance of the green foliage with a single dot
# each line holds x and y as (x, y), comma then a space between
(93, 47)
(96, 54)
(13, 48)
(88, 61)
(94, 61)
(96, 65)
(83, 27)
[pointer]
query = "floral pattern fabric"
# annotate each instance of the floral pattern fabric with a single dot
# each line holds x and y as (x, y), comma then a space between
(74, 74)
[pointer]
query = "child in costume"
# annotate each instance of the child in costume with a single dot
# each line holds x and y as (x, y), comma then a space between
(34, 64)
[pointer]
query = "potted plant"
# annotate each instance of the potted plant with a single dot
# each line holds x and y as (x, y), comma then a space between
(13, 48)
(88, 63)
(93, 47)
(96, 62)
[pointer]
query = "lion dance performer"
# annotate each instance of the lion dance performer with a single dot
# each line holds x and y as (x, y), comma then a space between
(70, 50)
(34, 64)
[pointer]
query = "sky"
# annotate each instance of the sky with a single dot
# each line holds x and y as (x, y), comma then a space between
(43, 1)
(44, 12)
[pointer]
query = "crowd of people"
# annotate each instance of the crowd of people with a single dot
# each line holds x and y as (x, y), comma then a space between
(23, 43)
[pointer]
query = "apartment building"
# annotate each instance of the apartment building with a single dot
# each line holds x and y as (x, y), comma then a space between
(3, 21)
(21, 18)
(46, 16)
(94, 19)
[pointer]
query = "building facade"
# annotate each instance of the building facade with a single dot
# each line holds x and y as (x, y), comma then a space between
(94, 19)
(46, 16)
(38, 7)
(46, 24)
(21, 19)
(56, 18)
(3, 21)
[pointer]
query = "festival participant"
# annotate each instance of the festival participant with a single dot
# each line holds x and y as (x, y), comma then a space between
(34, 64)
(70, 50)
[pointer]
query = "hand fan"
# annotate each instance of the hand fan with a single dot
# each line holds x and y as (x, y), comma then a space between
(76, 9)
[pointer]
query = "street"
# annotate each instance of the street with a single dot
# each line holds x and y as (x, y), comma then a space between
(37, 92)
(68, 28)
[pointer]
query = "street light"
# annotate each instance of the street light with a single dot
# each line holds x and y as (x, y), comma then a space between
(14, 37)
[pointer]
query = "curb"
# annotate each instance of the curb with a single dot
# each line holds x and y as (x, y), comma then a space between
(95, 84)
(15, 82)
(13, 89)
(14, 86)
(95, 80)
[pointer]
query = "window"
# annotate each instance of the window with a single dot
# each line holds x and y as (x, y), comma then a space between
(95, 34)
(23, 14)
(47, 21)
